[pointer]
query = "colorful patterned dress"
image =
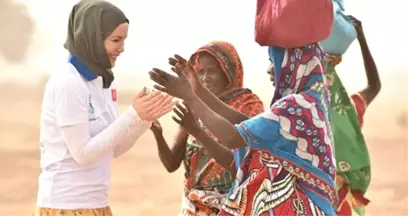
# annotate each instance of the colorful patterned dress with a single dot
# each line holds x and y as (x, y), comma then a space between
(207, 182)
(288, 167)
(353, 161)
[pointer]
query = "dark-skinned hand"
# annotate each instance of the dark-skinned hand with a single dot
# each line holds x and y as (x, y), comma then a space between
(358, 26)
(178, 63)
(178, 86)
(156, 127)
(187, 119)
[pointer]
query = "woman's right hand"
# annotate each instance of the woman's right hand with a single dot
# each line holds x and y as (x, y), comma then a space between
(156, 127)
(187, 120)
(182, 86)
(180, 65)
(153, 105)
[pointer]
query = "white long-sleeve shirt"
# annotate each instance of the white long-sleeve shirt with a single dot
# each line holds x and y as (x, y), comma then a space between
(80, 133)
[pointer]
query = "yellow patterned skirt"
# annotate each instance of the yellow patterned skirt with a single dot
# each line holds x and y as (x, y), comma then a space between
(77, 212)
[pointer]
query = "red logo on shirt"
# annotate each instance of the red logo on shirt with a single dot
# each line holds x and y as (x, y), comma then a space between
(114, 95)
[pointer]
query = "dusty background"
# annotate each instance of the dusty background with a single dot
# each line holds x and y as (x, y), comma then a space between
(141, 186)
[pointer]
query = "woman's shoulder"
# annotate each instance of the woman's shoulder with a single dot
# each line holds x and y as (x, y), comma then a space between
(252, 96)
(248, 96)
(65, 77)
(248, 103)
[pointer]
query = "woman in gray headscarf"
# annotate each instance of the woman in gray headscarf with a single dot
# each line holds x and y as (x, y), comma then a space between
(81, 130)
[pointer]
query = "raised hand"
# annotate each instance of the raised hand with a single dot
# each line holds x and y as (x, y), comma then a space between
(153, 105)
(179, 64)
(187, 119)
(156, 127)
(177, 86)
(358, 26)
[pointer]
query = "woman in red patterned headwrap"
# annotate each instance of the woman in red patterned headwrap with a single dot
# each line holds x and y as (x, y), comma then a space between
(220, 70)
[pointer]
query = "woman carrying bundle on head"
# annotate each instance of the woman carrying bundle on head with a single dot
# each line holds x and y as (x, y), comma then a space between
(352, 156)
(283, 156)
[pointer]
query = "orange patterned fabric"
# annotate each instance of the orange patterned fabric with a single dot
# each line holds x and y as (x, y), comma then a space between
(246, 102)
(229, 60)
(235, 95)
(334, 60)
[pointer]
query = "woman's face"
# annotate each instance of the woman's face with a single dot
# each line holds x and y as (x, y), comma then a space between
(271, 72)
(211, 74)
(115, 42)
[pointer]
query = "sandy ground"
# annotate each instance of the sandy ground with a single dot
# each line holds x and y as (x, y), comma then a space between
(141, 186)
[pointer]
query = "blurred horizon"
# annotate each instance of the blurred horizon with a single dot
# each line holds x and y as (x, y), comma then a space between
(154, 35)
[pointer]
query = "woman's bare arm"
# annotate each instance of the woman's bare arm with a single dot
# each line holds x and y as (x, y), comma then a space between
(373, 78)
(220, 107)
(219, 126)
(219, 152)
(171, 158)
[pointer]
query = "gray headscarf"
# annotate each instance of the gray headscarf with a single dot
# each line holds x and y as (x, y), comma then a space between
(90, 23)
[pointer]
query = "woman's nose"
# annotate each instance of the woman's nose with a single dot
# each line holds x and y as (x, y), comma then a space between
(206, 77)
(121, 47)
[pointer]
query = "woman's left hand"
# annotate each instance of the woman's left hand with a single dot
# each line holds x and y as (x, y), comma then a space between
(358, 26)
(153, 105)
(187, 119)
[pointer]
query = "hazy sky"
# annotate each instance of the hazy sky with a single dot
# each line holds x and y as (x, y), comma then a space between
(159, 28)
